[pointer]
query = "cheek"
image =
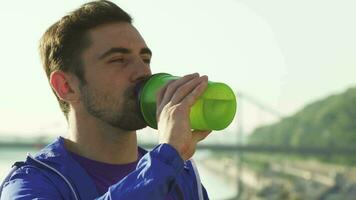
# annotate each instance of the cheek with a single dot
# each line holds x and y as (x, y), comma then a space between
(112, 94)
(109, 86)
(106, 85)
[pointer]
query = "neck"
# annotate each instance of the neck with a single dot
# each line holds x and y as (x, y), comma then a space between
(96, 140)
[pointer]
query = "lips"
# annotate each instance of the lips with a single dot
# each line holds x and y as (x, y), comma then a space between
(132, 95)
(139, 86)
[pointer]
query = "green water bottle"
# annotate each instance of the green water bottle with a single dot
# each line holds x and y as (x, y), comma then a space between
(214, 110)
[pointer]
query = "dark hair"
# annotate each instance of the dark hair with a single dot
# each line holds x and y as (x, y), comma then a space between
(62, 44)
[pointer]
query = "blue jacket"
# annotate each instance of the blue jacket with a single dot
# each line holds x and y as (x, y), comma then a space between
(53, 174)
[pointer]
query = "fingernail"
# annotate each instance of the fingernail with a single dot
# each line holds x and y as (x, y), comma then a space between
(205, 77)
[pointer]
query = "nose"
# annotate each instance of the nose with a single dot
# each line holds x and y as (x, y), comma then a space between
(142, 70)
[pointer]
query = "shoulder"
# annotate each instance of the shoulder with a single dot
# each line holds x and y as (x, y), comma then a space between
(28, 182)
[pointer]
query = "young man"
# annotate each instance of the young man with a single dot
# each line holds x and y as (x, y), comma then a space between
(94, 58)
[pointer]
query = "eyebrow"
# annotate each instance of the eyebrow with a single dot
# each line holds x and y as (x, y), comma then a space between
(146, 51)
(124, 51)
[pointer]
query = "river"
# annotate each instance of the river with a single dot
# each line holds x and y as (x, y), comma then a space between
(217, 186)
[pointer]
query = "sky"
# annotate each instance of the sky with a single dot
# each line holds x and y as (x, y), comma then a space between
(282, 53)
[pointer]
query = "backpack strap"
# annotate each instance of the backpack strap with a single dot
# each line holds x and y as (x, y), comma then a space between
(15, 166)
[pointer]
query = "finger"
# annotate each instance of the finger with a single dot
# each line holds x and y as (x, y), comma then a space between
(191, 98)
(171, 88)
(200, 135)
(196, 137)
(159, 95)
(186, 88)
(159, 98)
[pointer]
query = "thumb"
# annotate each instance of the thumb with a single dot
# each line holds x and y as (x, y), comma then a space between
(200, 135)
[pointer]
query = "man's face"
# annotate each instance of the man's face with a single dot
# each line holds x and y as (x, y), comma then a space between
(116, 60)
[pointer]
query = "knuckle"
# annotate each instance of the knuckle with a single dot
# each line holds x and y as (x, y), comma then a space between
(170, 88)
(182, 108)
(184, 89)
(179, 92)
(191, 98)
(178, 108)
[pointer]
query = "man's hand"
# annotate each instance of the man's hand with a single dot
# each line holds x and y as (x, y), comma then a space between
(173, 107)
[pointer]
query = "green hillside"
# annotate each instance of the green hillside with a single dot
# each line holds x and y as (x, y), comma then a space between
(325, 123)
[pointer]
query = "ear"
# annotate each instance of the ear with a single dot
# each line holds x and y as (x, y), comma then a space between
(64, 86)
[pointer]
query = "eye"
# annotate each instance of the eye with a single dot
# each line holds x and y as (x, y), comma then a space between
(116, 60)
(146, 58)
(147, 61)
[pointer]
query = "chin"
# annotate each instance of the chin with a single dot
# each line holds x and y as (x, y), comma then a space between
(130, 123)
(131, 128)
(130, 118)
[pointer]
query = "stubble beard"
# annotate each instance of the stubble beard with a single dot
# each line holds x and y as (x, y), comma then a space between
(107, 108)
